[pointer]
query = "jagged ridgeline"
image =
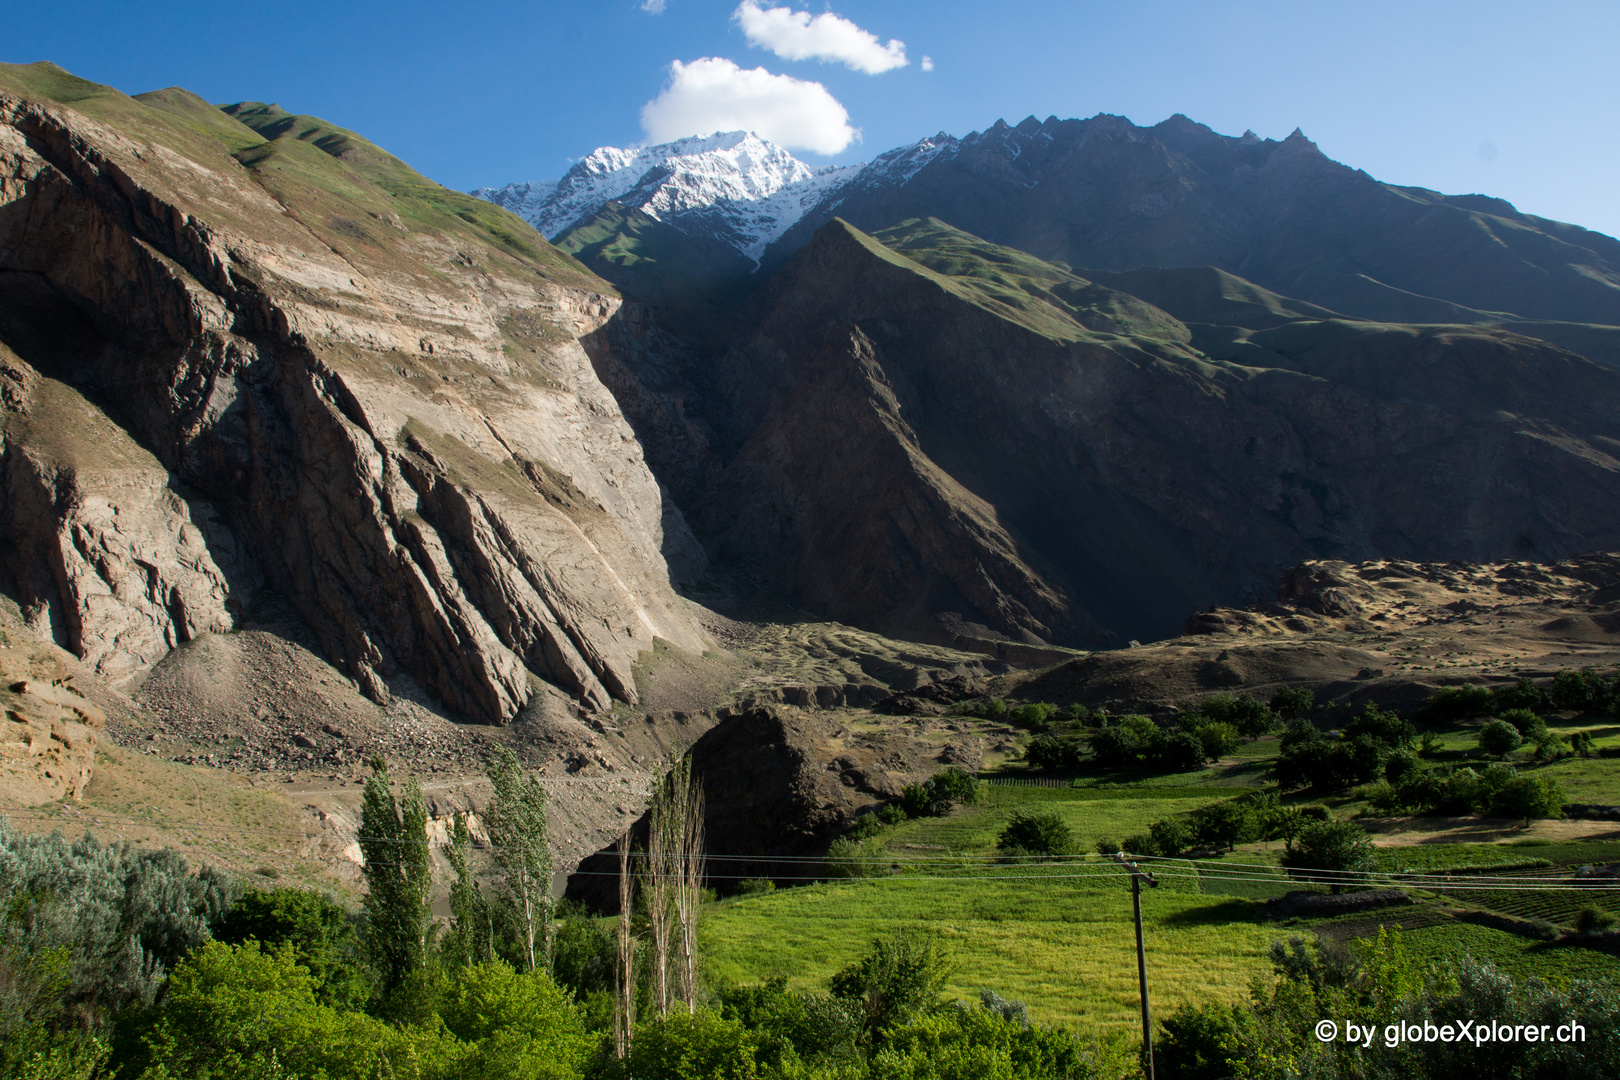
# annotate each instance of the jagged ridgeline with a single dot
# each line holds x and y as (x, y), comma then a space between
(244, 350)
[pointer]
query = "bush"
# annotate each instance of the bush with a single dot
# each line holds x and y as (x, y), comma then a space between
(892, 814)
(1331, 849)
(898, 978)
(315, 927)
(755, 886)
(1108, 846)
(848, 859)
(684, 1046)
(938, 795)
(1499, 738)
(866, 825)
(1401, 767)
(1293, 702)
(1452, 703)
(1523, 720)
(1592, 919)
(1582, 744)
(1140, 844)
(1040, 832)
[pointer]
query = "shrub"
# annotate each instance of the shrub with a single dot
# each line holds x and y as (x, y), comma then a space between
(1523, 720)
(1140, 844)
(848, 859)
(755, 886)
(1429, 744)
(892, 814)
(1499, 738)
(1582, 744)
(1040, 832)
(1331, 848)
(866, 825)
(1401, 767)
(1592, 919)
(1108, 846)
(1293, 702)
(315, 927)
(898, 978)
(682, 1045)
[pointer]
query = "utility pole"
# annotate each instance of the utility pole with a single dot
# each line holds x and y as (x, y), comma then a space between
(1138, 876)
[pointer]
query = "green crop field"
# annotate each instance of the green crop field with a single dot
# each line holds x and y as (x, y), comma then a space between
(1067, 948)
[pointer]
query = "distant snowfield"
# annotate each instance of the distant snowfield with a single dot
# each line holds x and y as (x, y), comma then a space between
(735, 186)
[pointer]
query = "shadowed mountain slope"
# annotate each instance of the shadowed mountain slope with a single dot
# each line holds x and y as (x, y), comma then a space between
(948, 427)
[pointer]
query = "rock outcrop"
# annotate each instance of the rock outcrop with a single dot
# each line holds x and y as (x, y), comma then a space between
(254, 351)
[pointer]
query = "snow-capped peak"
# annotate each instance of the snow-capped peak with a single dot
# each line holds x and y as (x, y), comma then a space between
(756, 189)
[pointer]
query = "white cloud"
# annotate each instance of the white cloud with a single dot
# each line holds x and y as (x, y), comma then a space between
(653, 7)
(714, 94)
(794, 35)
(928, 63)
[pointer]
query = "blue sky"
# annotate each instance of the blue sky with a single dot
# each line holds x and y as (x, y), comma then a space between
(1520, 101)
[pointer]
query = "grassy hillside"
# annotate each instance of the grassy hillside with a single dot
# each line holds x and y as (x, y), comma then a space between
(357, 197)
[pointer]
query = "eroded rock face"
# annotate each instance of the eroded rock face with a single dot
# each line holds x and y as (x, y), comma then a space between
(391, 423)
(49, 733)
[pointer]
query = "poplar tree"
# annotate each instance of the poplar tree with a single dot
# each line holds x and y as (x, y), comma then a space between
(472, 925)
(398, 868)
(516, 823)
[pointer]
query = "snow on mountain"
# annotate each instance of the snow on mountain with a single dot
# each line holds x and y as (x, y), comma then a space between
(733, 184)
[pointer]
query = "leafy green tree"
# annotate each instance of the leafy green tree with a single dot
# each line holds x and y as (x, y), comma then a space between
(1036, 832)
(1582, 691)
(1293, 702)
(1033, 716)
(398, 869)
(898, 978)
(1498, 738)
(316, 928)
(1127, 743)
(248, 1011)
(521, 850)
(1453, 703)
(1526, 797)
(472, 925)
(1171, 836)
(940, 793)
(1382, 726)
(1523, 694)
(1250, 717)
(1179, 751)
(957, 1043)
(584, 951)
(1217, 738)
(522, 1024)
(1053, 752)
(817, 1028)
(1330, 850)
(686, 1046)
(1227, 824)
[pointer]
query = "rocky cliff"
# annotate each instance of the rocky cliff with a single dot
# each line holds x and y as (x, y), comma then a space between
(246, 350)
